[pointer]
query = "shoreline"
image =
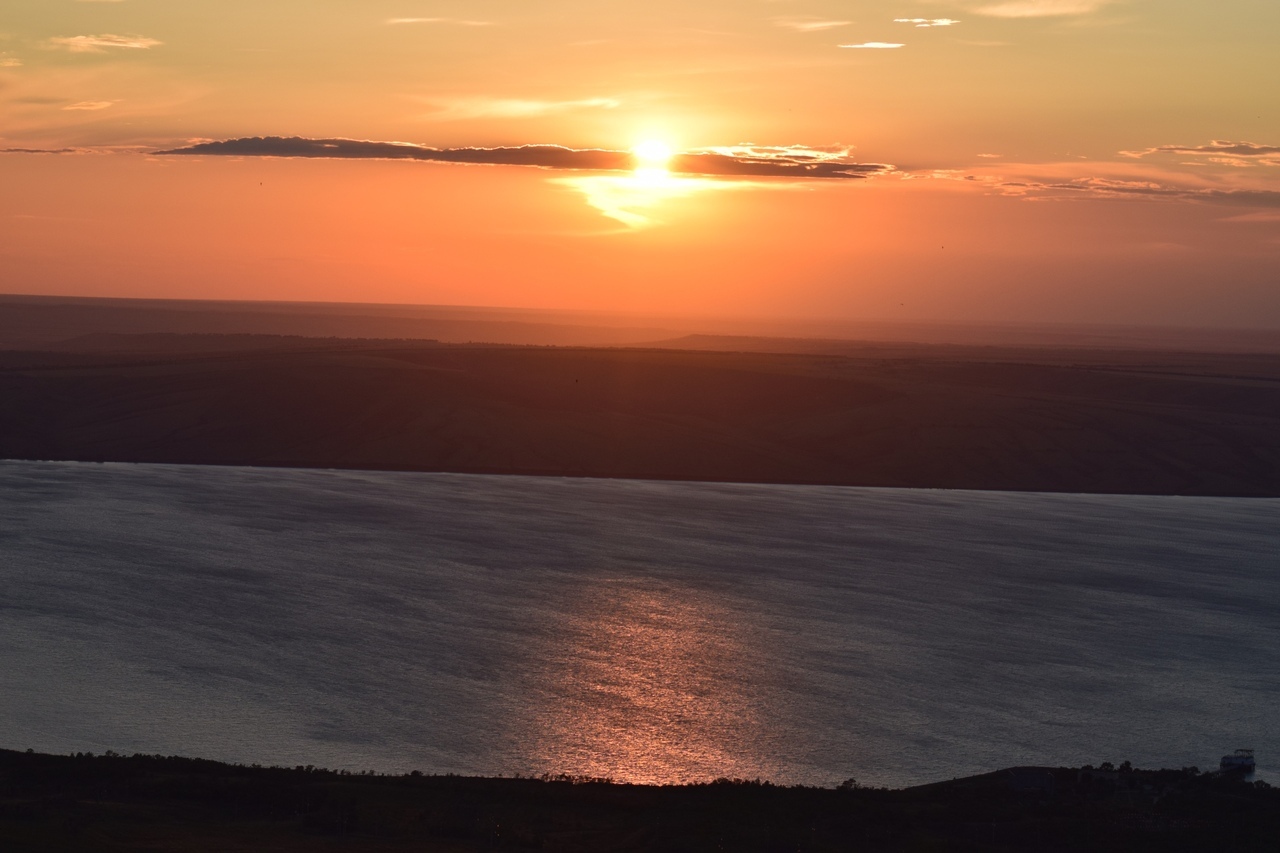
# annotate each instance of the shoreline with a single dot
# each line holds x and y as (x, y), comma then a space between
(496, 474)
(112, 802)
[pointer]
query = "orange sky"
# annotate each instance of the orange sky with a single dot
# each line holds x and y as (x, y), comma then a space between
(1073, 160)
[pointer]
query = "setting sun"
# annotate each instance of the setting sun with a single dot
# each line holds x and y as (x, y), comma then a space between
(652, 154)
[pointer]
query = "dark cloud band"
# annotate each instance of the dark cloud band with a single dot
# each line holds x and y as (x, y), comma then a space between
(541, 156)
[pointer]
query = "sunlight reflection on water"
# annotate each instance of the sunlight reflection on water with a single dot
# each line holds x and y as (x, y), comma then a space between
(644, 686)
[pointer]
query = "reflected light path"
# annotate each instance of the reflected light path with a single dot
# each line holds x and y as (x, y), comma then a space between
(635, 199)
(649, 685)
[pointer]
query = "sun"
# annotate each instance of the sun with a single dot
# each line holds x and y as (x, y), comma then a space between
(652, 154)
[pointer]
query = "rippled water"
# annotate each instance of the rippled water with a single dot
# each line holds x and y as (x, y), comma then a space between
(636, 630)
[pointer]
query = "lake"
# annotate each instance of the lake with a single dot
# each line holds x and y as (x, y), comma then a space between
(641, 631)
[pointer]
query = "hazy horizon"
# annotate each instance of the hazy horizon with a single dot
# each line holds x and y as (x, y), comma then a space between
(798, 320)
(59, 318)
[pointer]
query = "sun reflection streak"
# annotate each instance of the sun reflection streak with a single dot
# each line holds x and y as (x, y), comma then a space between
(650, 686)
(635, 198)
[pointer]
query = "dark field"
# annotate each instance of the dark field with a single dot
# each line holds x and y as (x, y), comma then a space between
(113, 803)
(940, 416)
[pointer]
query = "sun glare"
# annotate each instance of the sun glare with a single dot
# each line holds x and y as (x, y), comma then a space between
(652, 154)
(635, 199)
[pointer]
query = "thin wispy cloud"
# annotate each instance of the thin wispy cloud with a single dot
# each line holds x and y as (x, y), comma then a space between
(1039, 8)
(872, 45)
(809, 25)
(458, 22)
(1263, 216)
(100, 43)
(766, 162)
(927, 22)
(1113, 188)
(793, 153)
(90, 106)
(1117, 181)
(456, 109)
(1217, 148)
(99, 150)
(760, 162)
(10, 62)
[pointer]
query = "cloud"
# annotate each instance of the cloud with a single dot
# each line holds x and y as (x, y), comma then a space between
(752, 161)
(1266, 216)
(99, 150)
(1117, 180)
(927, 22)
(1215, 150)
(98, 44)
(743, 161)
(809, 25)
(1236, 162)
(1132, 188)
(775, 161)
(89, 105)
(1040, 8)
(871, 45)
(458, 22)
(469, 108)
(749, 150)
(9, 62)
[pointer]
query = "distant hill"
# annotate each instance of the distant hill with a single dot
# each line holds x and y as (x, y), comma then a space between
(36, 322)
(937, 416)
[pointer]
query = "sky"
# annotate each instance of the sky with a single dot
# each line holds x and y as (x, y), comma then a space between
(1075, 161)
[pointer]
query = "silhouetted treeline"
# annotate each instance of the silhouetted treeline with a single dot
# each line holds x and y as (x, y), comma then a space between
(118, 803)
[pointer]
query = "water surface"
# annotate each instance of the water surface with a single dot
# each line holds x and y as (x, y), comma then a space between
(634, 630)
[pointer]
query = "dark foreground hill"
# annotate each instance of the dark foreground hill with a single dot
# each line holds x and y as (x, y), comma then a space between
(143, 803)
(880, 415)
